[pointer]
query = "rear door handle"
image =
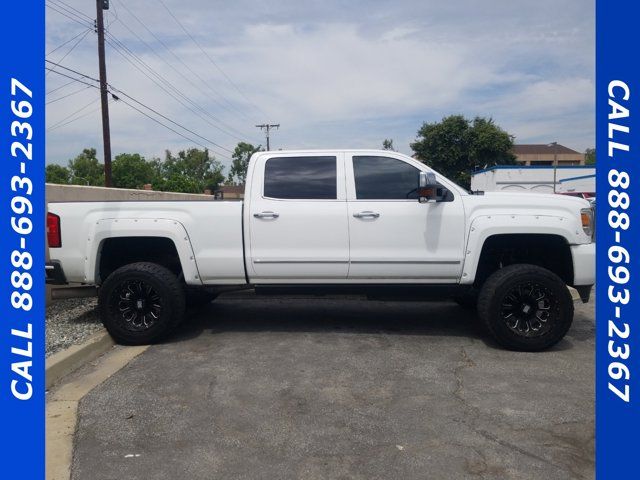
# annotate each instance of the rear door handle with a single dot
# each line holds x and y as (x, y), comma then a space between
(366, 214)
(266, 215)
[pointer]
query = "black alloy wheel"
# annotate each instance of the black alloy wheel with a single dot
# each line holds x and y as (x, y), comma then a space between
(137, 304)
(525, 307)
(140, 303)
(528, 308)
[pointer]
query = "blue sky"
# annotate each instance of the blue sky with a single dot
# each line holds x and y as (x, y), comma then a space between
(332, 73)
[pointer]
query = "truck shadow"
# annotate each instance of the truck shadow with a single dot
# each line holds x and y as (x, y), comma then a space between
(344, 315)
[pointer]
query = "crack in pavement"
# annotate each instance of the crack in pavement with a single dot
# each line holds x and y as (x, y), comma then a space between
(457, 372)
(475, 415)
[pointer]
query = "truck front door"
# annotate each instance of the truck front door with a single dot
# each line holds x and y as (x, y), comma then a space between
(392, 235)
(297, 217)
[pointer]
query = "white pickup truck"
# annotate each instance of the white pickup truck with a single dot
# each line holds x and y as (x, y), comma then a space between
(369, 222)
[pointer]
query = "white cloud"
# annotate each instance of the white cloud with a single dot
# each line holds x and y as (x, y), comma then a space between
(337, 74)
(333, 73)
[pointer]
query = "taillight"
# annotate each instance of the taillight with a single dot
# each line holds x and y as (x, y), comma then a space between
(53, 231)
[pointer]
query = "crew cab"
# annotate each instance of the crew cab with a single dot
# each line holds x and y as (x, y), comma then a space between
(376, 223)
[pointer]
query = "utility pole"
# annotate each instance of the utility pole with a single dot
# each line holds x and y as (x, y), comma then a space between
(104, 94)
(267, 127)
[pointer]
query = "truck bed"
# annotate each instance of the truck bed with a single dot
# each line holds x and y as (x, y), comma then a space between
(213, 244)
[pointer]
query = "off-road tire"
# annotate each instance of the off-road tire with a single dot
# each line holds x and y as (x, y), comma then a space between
(125, 289)
(496, 302)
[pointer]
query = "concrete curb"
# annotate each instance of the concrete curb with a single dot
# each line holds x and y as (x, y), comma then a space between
(63, 401)
(67, 361)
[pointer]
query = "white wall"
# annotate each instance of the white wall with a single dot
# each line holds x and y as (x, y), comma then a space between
(82, 193)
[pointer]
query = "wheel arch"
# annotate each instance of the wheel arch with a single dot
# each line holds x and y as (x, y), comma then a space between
(546, 250)
(486, 228)
(116, 242)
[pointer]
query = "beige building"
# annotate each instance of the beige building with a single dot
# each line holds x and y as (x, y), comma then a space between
(543, 154)
(230, 192)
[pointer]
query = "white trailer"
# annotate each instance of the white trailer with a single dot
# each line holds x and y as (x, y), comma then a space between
(535, 179)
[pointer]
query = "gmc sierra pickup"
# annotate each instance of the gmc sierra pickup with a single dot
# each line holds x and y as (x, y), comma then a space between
(376, 223)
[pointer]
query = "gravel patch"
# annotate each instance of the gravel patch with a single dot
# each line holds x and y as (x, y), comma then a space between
(70, 322)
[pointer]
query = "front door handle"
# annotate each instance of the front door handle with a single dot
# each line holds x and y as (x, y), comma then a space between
(266, 215)
(366, 214)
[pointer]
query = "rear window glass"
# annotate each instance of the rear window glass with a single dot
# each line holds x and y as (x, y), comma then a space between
(303, 178)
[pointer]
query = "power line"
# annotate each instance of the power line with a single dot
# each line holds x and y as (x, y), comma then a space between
(75, 119)
(176, 94)
(56, 64)
(72, 18)
(231, 107)
(168, 119)
(67, 95)
(73, 46)
(113, 20)
(76, 15)
(175, 131)
(72, 78)
(67, 42)
(113, 89)
(72, 9)
(168, 127)
(61, 123)
(59, 88)
(213, 62)
(178, 91)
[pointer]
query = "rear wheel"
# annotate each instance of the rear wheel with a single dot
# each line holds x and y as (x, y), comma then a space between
(526, 307)
(140, 303)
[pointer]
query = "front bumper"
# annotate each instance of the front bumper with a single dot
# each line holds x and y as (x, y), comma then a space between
(54, 273)
(584, 268)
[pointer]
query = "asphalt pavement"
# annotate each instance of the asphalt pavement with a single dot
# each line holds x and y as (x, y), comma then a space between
(270, 388)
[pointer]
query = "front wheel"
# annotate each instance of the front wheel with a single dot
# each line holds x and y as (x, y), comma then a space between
(140, 303)
(526, 307)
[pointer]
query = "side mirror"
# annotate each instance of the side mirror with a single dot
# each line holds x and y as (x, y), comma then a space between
(428, 187)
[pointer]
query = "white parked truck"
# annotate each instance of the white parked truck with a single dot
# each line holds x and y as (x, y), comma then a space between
(369, 222)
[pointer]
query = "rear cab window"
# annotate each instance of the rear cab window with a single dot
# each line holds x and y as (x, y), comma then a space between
(301, 178)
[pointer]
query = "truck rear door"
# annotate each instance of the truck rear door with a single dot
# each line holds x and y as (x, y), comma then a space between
(297, 219)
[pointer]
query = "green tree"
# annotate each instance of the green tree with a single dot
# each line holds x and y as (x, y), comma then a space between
(57, 174)
(456, 146)
(387, 144)
(130, 170)
(590, 156)
(191, 171)
(241, 155)
(86, 169)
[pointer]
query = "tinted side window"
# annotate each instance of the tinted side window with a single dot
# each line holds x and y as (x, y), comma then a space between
(300, 178)
(385, 178)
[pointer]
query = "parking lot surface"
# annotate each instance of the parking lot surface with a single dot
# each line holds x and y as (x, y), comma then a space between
(268, 388)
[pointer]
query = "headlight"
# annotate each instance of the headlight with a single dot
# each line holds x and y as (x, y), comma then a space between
(586, 216)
